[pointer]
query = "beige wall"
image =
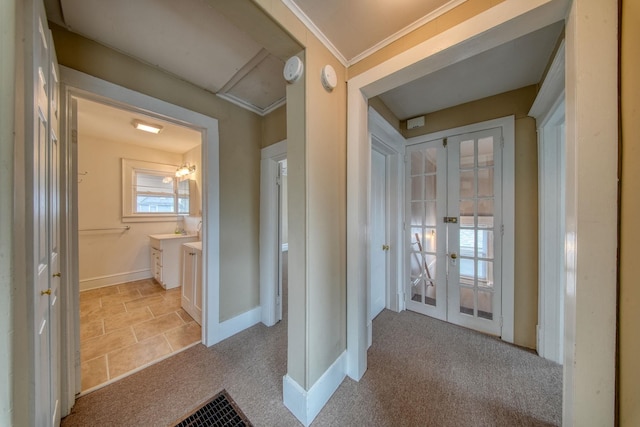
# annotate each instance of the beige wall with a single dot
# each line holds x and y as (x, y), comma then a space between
(240, 142)
(629, 336)
(466, 10)
(274, 126)
(518, 103)
(112, 253)
(316, 135)
(378, 105)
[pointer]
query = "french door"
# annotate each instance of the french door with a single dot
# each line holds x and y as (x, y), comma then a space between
(454, 204)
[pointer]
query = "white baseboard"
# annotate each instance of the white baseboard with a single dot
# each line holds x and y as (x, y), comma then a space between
(239, 323)
(306, 405)
(115, 279)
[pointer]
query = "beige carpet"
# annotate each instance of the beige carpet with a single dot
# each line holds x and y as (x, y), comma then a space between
(422, 372)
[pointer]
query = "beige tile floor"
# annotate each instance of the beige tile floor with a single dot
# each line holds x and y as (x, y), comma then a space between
(128, 326)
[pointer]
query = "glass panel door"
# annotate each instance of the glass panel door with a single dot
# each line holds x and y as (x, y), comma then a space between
(426, 233)
(473, 196)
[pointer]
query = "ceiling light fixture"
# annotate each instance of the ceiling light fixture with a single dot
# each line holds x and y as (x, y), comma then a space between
(147, 127)
(185, 169)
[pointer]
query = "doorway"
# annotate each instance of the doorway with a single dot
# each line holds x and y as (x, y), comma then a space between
(454, 223)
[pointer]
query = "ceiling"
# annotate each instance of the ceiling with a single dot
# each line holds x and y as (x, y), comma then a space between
(216, 45)
(110, 124)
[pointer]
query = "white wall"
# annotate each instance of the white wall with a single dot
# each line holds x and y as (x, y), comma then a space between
(110, 257)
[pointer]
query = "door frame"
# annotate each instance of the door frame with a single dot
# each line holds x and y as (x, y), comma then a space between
(270, 247)
(549, 111)
(78, 84)
(389, 142)
(507, 124)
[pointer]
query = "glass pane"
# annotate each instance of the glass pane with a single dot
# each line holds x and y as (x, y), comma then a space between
(467, 242)
(158, 184)
(417, 287)
(467, 221)
(416, 263)
(485, 274)
(485, 151)
(417, 213)
(430, 267)
(485, 305)
(467, 208)
(417, 189)
(467, 154)
(485, 182)
(431, 217)
(429, 240)
(485, 208)
(430, 161)
(466, 301)
(430, 187)
(467, 271)
(417, 165)
(183, 196)
(430, 297)
(485, 244)
(467, 185)
(154, 204)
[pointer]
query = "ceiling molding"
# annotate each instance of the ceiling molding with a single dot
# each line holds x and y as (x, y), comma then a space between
(315, 30)
(406, 30)
(452, 4)
(248, 106)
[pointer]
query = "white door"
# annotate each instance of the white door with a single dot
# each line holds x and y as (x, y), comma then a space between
(46, 225)
(378, 248)
(454, 229)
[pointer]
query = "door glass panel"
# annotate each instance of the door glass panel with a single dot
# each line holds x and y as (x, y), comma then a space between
(485, 244)
(417, 213)
(430, 160)
(431, 217)
(430, 187)
(467, 184)
(467, 152)
(485, 305)
(485, 182)
(417, 188)
(467, 271)
(429, 240)
(467, 208)
(485, 274)
(485, 152)
(467, 303)
(485, 209)
(417, 165)
(467, 242)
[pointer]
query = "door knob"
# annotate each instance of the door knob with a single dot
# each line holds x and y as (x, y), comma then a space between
(453, 255)
(47, 292)
(385, 247)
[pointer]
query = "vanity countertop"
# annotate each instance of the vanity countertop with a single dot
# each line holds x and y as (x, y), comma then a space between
(172, 236)
(194, 245)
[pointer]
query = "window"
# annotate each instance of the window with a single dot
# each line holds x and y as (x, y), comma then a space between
(151, 190)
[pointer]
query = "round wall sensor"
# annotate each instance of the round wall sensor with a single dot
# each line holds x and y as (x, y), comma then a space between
(293, 69)
(329, 78)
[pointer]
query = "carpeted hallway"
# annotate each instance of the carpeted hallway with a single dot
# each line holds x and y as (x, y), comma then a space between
(422, 372)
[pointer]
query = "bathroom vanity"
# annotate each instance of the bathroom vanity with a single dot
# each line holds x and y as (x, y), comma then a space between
(165, 257)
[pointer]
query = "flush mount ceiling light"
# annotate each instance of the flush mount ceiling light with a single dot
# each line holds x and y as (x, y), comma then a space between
(147, 127)
(185, 169)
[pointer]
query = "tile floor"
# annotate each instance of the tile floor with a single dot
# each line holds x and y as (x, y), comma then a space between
(129, 326)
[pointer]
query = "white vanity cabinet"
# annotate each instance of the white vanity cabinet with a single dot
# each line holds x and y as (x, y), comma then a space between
(165, 257)
(192, 280)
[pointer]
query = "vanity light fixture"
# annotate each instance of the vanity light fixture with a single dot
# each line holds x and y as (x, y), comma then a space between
(147, 127)
(185, 169)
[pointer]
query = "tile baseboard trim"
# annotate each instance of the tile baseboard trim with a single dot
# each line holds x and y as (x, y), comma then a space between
(114, 279)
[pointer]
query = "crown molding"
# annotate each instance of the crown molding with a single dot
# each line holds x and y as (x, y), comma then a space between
(295, 9)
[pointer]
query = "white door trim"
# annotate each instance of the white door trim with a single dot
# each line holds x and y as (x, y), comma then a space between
(388, 141)
(86, 86)
(549, 112)
(269, 231)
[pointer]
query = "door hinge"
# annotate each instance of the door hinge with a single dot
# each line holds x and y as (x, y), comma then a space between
(501, 141)
(444, 142)
(502, 229)
(501, 322)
